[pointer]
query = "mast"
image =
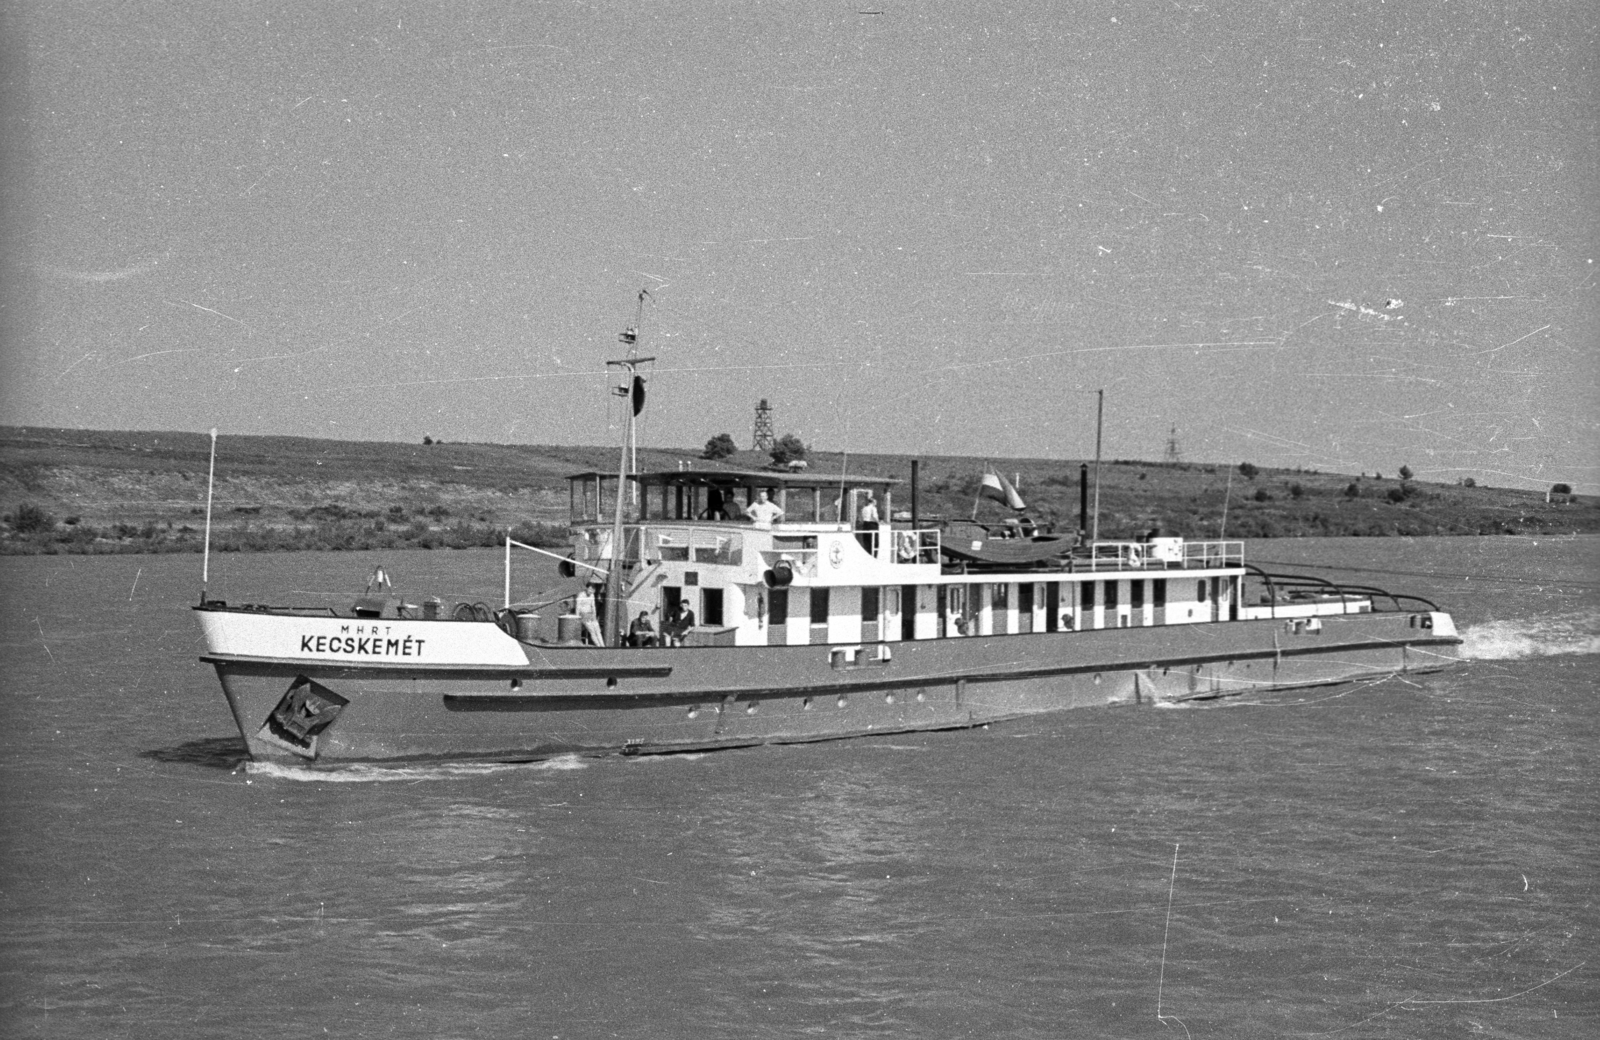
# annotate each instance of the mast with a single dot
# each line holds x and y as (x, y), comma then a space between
(632, 390)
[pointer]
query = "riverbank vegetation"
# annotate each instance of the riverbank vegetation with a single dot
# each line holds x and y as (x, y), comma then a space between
(89, 491)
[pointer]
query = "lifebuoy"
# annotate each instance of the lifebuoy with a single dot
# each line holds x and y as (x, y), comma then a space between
(905, 545)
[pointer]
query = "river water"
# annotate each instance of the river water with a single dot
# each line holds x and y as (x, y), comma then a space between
(1408, 858)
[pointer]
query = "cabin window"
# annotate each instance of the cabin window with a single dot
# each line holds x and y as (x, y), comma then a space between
(908, 612)
(1136, 595)
(778, 607)
(819, 606)
(1159, 590)
(1200, 590)
(1052, 607)
(711, 607)
(1000, 593)
(1086, 595)
(870, 603)
(671, 600)
(1111, 595)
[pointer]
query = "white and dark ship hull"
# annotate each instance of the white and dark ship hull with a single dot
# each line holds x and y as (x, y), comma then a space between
(501, 699)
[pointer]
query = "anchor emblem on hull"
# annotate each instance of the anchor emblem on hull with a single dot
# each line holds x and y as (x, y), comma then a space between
(305, 712)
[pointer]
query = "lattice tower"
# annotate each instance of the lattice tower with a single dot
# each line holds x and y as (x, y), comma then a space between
(1173, 455)
(764, 438)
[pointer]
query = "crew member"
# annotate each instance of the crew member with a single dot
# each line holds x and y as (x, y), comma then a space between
(867, 526)
(683, 623)
(763, 512)
(642, 632)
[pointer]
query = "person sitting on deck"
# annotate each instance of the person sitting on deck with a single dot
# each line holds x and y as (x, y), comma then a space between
(763, 512)
(678, 628)
(642, 632)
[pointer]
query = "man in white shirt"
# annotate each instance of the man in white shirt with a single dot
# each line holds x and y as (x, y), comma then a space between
(763, 512)
(867, 526)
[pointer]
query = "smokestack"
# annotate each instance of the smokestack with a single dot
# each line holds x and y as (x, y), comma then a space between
(1083, 497)
(915, 466)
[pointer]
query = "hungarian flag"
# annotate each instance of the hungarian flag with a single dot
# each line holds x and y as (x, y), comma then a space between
(999, 488)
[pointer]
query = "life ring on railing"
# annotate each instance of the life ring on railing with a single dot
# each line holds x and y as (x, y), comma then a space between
(905, 546)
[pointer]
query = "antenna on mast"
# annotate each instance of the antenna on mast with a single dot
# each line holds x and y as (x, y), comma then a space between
(629, 337)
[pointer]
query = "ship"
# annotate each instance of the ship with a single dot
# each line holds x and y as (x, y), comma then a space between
(715, 607)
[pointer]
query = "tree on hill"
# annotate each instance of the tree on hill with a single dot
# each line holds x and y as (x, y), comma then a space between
(1405, 473)
(719, 447)
(30, 519)
(788, 448)
(1249, 470)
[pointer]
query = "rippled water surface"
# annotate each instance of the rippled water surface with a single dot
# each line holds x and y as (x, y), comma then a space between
(1410, 858)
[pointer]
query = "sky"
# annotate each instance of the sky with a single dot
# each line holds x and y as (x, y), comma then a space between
(1344, 236)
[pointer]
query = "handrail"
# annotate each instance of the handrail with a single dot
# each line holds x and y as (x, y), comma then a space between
(1344, 591)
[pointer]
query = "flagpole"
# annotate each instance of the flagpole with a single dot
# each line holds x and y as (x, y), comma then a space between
(211, 483)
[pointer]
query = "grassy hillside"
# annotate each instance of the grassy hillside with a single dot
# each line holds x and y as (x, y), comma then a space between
(98, 491)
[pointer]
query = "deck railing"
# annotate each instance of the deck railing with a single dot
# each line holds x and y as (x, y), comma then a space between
(681, 544)
(1159, 554)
